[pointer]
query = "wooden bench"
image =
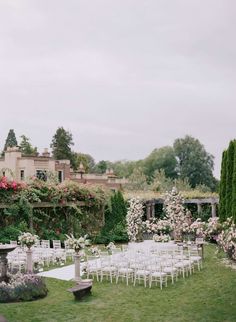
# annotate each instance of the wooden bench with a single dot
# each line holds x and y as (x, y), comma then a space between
(80, 290)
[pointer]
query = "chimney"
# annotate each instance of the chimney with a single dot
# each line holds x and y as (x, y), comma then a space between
(45, 153)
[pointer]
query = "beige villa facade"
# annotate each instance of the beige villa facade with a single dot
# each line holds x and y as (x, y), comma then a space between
(21, 167)
(15, 165)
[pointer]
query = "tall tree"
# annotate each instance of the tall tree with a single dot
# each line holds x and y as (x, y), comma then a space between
(194, 163)
(234, 185)
(61, 146)
(101, 167)
(137, 180)
(26, 147)
(223, 175)
(161, 159)
(10, 140)
(229, 178)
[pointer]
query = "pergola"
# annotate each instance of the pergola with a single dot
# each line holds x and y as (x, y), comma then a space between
(213, 201)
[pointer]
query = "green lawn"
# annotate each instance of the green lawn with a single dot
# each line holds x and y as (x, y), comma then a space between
(209, 295)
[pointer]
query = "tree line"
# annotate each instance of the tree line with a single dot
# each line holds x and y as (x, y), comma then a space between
(186, 163)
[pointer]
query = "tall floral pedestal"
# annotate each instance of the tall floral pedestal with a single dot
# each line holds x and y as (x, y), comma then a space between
(77, 267)
(29, 261)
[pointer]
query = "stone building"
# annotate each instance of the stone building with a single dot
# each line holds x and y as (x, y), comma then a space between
(21, 167)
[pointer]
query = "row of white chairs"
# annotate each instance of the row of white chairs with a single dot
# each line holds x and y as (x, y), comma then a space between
(149, 267)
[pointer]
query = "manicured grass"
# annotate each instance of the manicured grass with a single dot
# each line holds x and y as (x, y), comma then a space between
(208, 295)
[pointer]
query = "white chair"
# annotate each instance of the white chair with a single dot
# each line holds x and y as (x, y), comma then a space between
(45, 243)
(92, 267)
(124, 271)
(56, 244)
(157, 275)
(107, 269)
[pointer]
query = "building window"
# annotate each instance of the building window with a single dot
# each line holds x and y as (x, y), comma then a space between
(22, 175)
(41, 175)
(3, 173)
(60, 176)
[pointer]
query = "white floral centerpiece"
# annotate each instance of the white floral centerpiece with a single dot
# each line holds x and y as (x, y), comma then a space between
(111, 246)
(28, 239)
(77, 243)
(163, 238)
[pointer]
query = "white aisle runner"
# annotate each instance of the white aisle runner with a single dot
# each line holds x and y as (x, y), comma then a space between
(65, 273)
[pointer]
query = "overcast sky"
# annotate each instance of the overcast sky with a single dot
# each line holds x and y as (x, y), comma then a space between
(123, 76)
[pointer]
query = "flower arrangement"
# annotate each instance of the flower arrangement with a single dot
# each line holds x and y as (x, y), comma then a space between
(111, 246)
(163, 238)
(94, 250)
(227, 238)
(28, 239)
(134, 220)
(77, 244)
(198, 227)
(179, 218)
(157, 226)
(213, 229)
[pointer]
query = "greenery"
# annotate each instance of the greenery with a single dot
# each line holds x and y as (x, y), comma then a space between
(161, 159)
(228, 183)
(206, 296)
(194, 163)
(61, 146)
(26, 147)
(10, 140)
(114, 229)
(75, 208)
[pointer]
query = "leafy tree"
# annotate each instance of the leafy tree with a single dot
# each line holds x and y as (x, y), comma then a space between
(137, 180)
(26, 147)
(61, 146)
(194, 163)
(163, 158)
(10, 140)
(87, 160)
(101, 167)
(123, 168)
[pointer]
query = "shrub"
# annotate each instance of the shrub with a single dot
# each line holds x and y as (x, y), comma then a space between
(22, 288)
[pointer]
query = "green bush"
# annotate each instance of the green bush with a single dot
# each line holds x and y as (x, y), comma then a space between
(12, 232)
(114, 229)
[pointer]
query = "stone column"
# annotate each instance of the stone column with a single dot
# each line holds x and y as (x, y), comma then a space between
(213, 210)
(3, 267)
(148, 211)
(199, 208)
(77, 267)
(29, 261)
(153, 210)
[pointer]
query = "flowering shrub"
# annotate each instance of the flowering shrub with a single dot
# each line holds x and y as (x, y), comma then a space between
(134, 220)
(164, 238)
(77, 244)
(22, 288)
(227, 238)
(6, 184)
(28, 239)
(213, 229)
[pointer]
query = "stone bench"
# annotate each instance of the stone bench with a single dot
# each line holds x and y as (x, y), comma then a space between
(80, 290)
